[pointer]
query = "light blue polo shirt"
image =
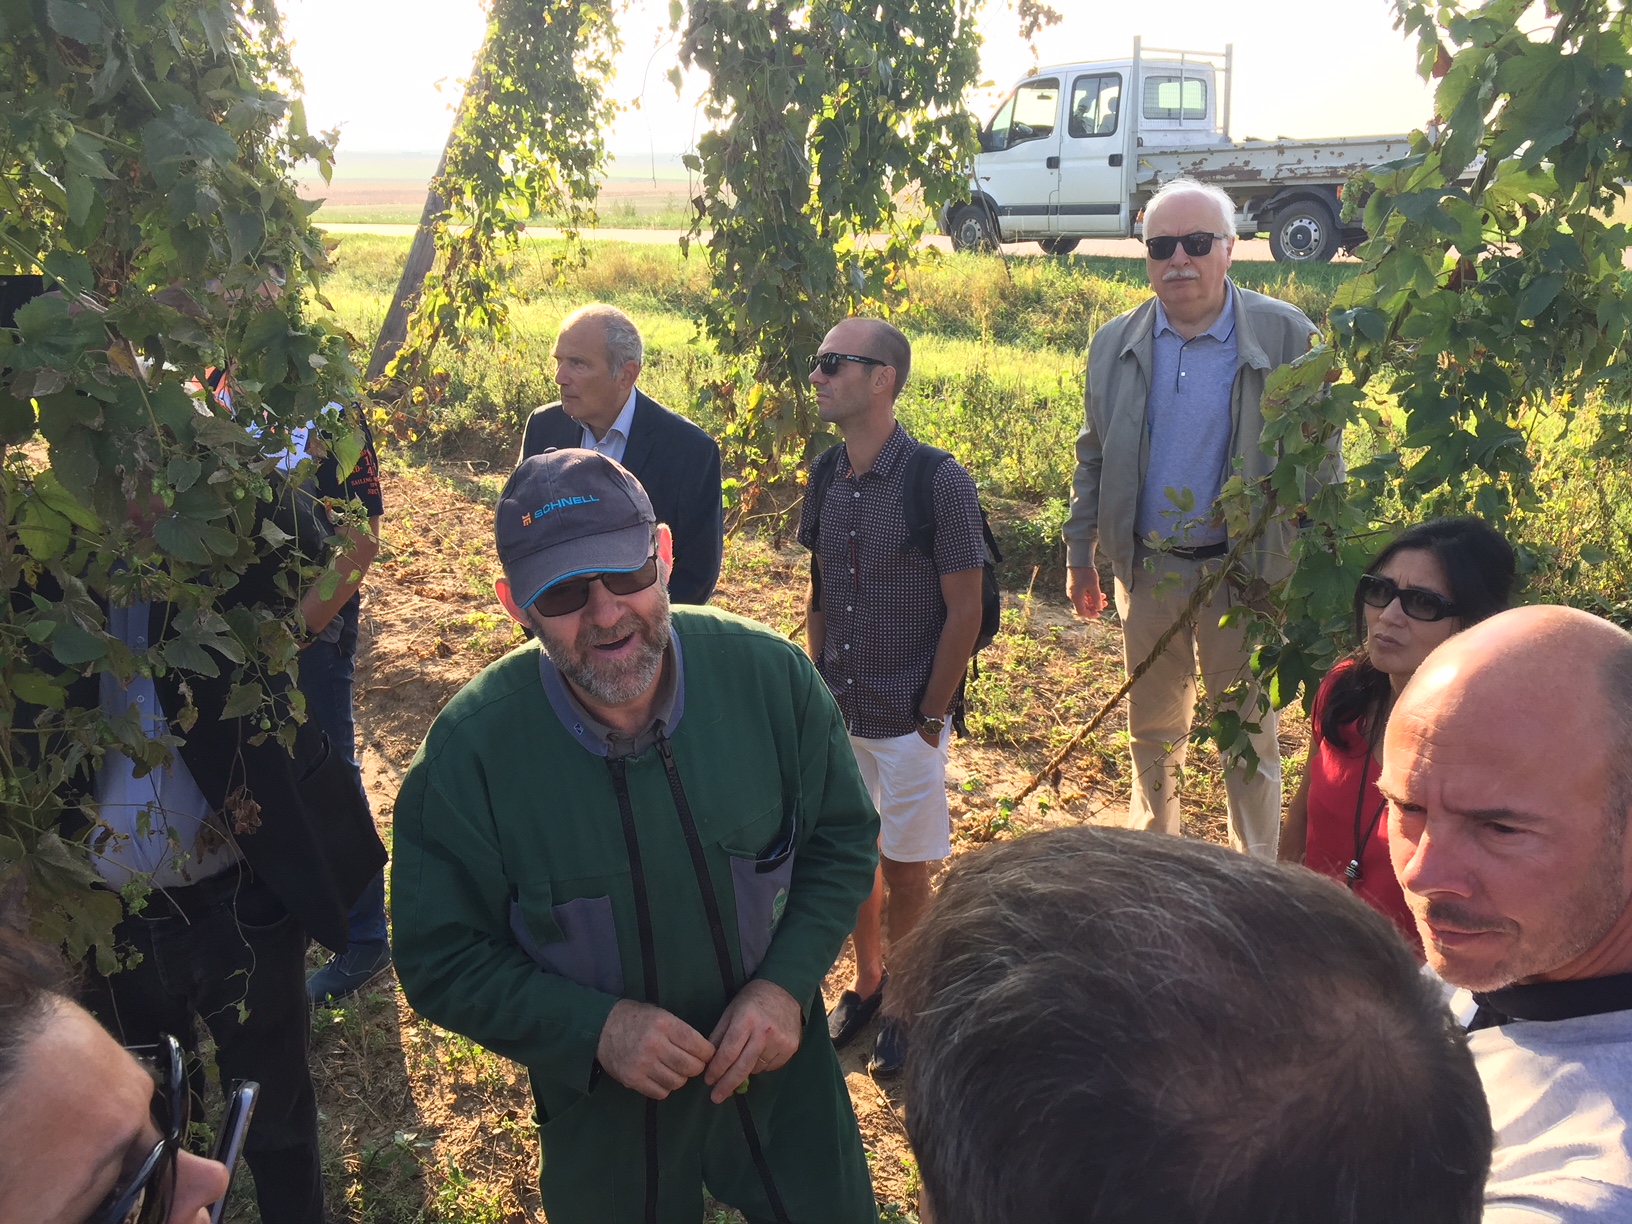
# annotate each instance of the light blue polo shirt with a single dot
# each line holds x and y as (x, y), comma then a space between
(1187, 415)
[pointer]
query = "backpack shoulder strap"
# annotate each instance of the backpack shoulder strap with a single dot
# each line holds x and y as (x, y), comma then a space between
(918, 496)
(822, 472)
(821, 476)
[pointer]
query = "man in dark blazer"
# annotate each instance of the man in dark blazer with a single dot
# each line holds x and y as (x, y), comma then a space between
(598, 355)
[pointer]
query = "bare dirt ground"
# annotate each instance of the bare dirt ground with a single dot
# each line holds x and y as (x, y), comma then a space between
(425, 1125)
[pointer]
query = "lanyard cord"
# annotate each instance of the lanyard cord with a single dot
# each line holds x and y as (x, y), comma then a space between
(1362, 838)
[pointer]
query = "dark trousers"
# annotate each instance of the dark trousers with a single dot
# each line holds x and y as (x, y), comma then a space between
(227, 950)
(327, 672)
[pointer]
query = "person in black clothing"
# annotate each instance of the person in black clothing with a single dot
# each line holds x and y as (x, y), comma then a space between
(598, 355)
(248, 850)
(327, 671)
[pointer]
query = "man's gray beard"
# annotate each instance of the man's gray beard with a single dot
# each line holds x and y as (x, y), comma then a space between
(611, 682)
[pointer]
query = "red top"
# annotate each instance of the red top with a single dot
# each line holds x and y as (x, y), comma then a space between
(1335, 771)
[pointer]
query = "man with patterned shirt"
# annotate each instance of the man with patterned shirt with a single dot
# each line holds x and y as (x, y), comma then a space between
(891, 631)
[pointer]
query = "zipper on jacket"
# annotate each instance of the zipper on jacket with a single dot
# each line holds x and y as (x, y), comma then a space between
(648, 956)
(722, 953)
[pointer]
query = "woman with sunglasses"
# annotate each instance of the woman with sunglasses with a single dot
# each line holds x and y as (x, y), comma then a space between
(1434, 580)
(88, 1135)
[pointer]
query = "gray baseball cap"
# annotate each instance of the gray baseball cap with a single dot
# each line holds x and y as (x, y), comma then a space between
(565, 513)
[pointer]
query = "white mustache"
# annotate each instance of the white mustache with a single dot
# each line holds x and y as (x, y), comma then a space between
(1173, 274)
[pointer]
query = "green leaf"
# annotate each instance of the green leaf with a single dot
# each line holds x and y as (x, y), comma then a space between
(75, 21)
(190, 656)
(85, 157)
(219, 540)
(16, 419)
(245, 233)
(1539, 294)
(182, 538)
(273, 534)
(185, 138)
(37, 688)
(182, 472)
(346, 445)
(71, 270)
(1465, 130)
(243, 700)
(72, 646)
(44, 532)
(56, 495)
(217, 20)
(81, 195)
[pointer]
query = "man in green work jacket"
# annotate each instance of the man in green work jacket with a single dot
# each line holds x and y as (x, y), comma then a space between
(626, 855)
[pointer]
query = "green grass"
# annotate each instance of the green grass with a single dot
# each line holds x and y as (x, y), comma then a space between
(368, 214)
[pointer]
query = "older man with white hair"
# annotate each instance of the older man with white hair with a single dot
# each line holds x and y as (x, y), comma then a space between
(1171, 408)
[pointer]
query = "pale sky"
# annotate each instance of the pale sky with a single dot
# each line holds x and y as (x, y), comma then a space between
(388, 72)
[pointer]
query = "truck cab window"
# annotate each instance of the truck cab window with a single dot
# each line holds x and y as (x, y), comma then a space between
(1171, 97)
(1094, 103)
(1030, 114)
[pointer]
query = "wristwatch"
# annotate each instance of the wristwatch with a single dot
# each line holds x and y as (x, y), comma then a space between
(926, 723)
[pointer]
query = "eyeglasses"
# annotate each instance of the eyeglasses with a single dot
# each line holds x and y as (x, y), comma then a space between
(573, 594)
(147, 1197)
(1378, 592)
(829, 363)
(1195, 245)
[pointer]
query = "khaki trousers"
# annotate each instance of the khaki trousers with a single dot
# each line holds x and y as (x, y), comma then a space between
(1162, 705)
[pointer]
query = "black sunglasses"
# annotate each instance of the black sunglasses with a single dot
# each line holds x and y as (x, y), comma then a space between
(1195, 245)
(573, 594)
(151, 1191)
(1378, 592)
(830, 363)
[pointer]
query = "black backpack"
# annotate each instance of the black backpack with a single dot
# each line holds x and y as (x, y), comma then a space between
(918, 507)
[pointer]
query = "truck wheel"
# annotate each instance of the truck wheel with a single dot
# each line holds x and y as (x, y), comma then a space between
(971, 231)
(1059, 246)
(1305, 231)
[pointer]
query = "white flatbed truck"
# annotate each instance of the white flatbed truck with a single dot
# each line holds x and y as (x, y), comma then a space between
(1068, 156)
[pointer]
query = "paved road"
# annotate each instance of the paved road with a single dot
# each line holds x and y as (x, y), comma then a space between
(1127, 248)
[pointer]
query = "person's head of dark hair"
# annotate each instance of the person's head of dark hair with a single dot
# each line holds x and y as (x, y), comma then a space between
(1111, 1025)
(1479, 568)
(33, 982)
(1476, 559)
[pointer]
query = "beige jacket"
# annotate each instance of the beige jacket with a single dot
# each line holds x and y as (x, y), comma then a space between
(1113, 449)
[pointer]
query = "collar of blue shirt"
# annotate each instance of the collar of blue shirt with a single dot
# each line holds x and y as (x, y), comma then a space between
(1222, 329)
(617, 434)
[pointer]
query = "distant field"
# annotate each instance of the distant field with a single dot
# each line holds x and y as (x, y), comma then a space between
(389, 189)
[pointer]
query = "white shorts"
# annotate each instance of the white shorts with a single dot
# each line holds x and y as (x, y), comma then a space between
(906, 779)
